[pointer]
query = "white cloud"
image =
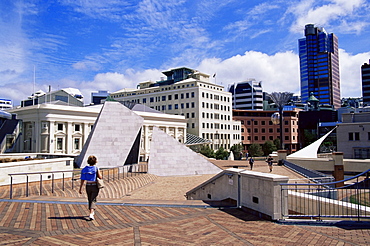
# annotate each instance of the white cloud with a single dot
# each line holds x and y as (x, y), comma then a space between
(340, 13)
(350, 72)
(278, 72)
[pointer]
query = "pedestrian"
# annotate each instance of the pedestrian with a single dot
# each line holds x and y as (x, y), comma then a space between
(269, 160)
(246, 155)
(89, 174)
(251, 162)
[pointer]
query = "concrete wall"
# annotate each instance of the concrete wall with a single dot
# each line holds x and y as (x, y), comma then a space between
(256, 191)
(59, 164)
(327, 164)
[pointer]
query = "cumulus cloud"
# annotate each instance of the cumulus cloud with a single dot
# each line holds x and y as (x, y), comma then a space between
(350, 72)
(278, 72)
(338, 12)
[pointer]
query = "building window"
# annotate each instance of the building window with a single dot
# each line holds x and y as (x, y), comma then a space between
(176, 96)
(263, 122)
(182, 95)
(144, 100)
(192, 94)
(163, 98)
(59, 143)
(176, 106)
(169, 97)
(286, 137)
(193, 105)
(163, 107)
(60, 127)
(77, 143)
(286, 129)
(353, 136)
(187, 95)
(192, 125)
(151, 99)
(193, 115)
(187, 105)
(286, 122)
(77, 128)
(170, 107)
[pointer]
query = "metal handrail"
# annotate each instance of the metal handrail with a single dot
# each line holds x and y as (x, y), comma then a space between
(330, 183)
(129, 169)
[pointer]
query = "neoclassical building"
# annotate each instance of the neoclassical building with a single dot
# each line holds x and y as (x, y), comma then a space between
(61, 129)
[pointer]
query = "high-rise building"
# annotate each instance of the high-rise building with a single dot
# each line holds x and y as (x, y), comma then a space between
(365, 72)
(206, 106)
(319, 65)
(247, 95)
(98, 97)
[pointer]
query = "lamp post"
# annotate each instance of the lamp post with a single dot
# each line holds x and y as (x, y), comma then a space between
(280, 99)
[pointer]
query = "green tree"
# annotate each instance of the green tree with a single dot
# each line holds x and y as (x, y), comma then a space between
(255, 150)
(221, 154)
(207, 151)
(237, 149)
(277, 143)
(268, 147)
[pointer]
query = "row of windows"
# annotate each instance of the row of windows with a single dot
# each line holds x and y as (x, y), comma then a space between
(168, 97)
(216, 116)
(271, 130)
(263, 138)
(215, 106)
(216, 97)
(355, 136)
(263, 122)
(215, 136)
(175, 106)
(215, 126)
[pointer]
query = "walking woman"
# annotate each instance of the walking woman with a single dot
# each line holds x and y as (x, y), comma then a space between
(89, 174)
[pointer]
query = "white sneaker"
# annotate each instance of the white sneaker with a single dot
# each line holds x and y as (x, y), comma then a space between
(91, 217)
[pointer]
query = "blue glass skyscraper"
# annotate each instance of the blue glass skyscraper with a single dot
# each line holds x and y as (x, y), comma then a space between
(319, 66)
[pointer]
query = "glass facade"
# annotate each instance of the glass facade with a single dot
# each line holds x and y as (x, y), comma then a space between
(319, 66)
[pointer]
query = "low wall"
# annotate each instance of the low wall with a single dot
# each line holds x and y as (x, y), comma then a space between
(31, 166)
(327, 164)
(259, 192)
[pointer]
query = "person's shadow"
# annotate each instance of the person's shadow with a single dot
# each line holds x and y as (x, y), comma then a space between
(70, 218)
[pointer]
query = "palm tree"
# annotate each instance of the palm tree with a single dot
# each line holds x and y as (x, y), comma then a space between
(280, 99)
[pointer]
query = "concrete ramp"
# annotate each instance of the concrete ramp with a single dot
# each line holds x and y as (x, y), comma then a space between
(169, 157)
(114, 138)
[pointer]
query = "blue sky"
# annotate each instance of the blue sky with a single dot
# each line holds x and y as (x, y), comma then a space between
(113, 44)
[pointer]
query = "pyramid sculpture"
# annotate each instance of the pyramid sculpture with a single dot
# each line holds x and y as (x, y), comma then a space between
(169, 157)
(115, 138)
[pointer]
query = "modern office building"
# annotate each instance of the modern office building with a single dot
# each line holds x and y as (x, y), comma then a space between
(206, 106)
(247, 95)
(365, 74)
(257, 128)
(5, 104)
(319, 66)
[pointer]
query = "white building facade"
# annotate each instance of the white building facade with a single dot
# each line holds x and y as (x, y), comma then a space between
(62, 129)
(205, 105)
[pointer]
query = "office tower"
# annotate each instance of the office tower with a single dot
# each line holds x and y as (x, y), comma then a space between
(188, 92)
(365, 73)
(247, 95)
(319, 65)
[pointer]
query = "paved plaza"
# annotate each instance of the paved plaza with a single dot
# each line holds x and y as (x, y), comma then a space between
(164, 217)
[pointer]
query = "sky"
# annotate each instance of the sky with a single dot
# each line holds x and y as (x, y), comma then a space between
(109, 45)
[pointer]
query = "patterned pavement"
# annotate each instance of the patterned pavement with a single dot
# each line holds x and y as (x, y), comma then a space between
(61, 218)
(38, 222)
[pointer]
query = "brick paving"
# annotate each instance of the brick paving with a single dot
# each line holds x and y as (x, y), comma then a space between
(136, 220)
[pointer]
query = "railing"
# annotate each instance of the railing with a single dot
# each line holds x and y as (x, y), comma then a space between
(320, 200)
(109, 174)
(313, 175)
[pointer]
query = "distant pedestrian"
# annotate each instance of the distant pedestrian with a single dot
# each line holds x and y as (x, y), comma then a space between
(246, 155)
(269, 160)
(251, 162)
(89, 174)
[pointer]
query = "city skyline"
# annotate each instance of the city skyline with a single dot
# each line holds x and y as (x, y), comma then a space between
(110, 45)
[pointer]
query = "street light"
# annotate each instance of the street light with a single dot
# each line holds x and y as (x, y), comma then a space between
(280, 99)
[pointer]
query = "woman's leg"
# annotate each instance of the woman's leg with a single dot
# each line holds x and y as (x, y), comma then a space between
(92, 192)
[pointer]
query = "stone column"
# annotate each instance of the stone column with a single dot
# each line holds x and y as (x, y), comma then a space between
(282, 156)
(338, 168)
(69, 138)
